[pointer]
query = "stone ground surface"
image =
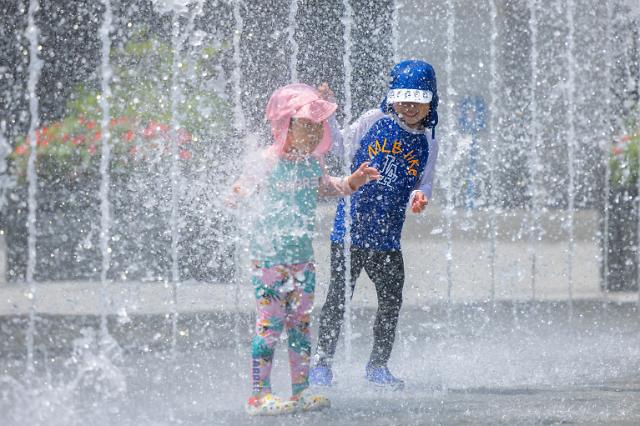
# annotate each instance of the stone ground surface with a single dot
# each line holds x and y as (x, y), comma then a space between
(466, 364)
(560, 359)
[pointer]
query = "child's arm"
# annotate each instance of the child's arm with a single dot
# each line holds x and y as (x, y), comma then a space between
(422, 193)
(254, 170)
(334, 186)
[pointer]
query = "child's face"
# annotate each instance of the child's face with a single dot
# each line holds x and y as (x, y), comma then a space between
(412, 113)
(304, 136)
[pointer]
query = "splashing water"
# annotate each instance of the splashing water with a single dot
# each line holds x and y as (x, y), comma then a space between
(608, 99)
(395, 23)
(173, 6)
(291, 32)
(493, 90)
(347, 21)
(508, 350)
(51, 398)
(105, 214)
(451, 151)
(533, 159)
(239, 121)
(6, 180)
(35, 66)
(571, 66)
(239, 124)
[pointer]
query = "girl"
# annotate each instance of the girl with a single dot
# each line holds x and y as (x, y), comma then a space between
(288, 177)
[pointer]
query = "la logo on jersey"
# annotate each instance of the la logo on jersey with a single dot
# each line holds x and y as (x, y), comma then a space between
(390, 166)
(389, 172)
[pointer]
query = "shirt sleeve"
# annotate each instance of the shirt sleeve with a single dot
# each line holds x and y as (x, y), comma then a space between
(256, 168)
(426, 182)
(347, 141)
(331, 186)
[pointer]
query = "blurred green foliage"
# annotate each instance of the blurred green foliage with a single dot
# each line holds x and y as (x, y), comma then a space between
(141, 109)
(624, 161)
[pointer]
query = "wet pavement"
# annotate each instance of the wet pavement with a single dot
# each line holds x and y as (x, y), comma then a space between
(571, 356)
(464, 364)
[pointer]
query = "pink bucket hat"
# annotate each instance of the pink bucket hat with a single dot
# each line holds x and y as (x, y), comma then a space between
(298, 101)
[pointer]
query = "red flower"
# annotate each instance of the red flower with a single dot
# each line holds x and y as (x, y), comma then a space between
(149, 131)
(183, 136)
(97, 136)
(128, 136)
(153, 129)
(185, 155)
(42, 137)
(91, 149)
(77, 140)
(21, 149)
(118, 121)
(91, 124)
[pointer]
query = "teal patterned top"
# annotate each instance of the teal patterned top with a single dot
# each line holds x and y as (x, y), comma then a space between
(284, 232)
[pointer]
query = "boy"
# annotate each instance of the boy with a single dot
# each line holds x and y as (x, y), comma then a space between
(399, 141)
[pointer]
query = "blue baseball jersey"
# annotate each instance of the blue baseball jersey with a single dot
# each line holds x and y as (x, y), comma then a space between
(378, 208)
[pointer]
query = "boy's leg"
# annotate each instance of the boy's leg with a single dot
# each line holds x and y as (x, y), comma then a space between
(386, 270)
(332, 314)
(299, 304)
(270, 317)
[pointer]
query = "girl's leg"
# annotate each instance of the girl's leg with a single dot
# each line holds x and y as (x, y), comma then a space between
(298, 306)
(270, 317)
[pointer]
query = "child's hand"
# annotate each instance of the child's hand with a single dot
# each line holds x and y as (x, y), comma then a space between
(363, 175)
(326, 93)
(237, 192)
(419, 202)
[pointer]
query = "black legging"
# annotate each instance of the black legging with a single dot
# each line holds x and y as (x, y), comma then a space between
(386, 270)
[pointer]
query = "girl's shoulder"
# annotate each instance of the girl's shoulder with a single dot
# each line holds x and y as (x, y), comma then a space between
(269, 155)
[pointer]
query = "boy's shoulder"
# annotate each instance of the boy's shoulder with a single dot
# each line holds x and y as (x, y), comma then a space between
(372, 115)
(367, 120)
(376, 118)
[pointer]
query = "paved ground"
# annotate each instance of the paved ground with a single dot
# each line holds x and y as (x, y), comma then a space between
(474, 364)
(508, 361)
(427, 281)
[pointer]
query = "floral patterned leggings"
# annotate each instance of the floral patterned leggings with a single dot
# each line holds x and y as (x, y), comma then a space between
(284, 296)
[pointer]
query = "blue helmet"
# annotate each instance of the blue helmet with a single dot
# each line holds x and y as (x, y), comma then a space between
(413, 81)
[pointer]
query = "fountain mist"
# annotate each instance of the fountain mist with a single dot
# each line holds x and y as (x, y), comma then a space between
(347, 21)
(35, 66)
(105, 214)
